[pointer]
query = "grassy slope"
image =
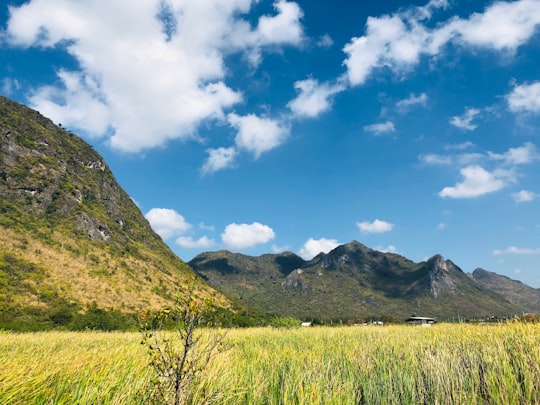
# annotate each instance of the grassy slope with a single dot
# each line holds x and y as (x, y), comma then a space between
(69, 234)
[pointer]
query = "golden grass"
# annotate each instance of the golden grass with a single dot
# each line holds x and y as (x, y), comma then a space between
(445, 364)
(91, 273)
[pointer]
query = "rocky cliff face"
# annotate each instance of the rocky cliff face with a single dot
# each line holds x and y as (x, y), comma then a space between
(63, 215)
(48, 173)
(441, 276)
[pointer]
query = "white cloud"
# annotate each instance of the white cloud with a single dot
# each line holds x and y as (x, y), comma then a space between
(397, 41)
(387, 249)
(279, 249)
(315, 246)
(313, 98)
(476, 182)
(80, 99)
(435, 159)
(523, 196)
(9, 85)
(525, 98)
(517, 156)
(241, 236)
(411, 101)
(521, 155)
(441, 226)
(517, 251)
(167, 222)
(460, 146)
(325, 41)
(284, 28)
(188, 242)
(205, 227)
(219, 159)
(380, 128)
(503, 26)
(388, 42)
(144, 80)
(256, 134)
(483, 173)
(376, 226)
(464, 121)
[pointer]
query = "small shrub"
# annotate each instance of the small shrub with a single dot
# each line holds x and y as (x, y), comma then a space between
(180, 355)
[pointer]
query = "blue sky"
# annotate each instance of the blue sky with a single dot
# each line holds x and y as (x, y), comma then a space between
(264, 126)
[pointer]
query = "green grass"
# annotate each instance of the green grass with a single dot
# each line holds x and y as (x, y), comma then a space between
(445, 364)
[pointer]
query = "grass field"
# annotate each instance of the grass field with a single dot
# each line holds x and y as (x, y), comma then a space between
(445, 364)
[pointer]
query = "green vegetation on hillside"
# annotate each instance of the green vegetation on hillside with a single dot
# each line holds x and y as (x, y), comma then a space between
(76, 250)
(350, 282)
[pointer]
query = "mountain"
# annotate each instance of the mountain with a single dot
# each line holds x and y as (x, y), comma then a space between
(514, 291)
(351, 281)
(71, 239)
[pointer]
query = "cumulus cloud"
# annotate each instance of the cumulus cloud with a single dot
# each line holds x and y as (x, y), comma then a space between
(411, 101)
(503, 26)
(150, 71)
(523, 196)
(525, 98)
(325, 41)
(256, 134)
(219, 159)
(315, 246)
(521, 155)
(517, 251)
(313, 97)
(476, 181)
(167, 222)
(465, 121)
(483, 173)
(284, 28)
(517, 156)
(188, 242)
(387, 249)
(460, 146)
(9, 85)
(380, 128)
(377, 226)
(436, 159)
(398, 41)
(241, 236)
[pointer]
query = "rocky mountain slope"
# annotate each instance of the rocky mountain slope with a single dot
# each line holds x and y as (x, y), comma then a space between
(351, 281)
(514, 291)
(70, 237)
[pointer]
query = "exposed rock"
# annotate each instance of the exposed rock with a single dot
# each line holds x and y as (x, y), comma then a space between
(293, 280)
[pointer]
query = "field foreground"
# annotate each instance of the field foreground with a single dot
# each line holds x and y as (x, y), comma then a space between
(445, 364)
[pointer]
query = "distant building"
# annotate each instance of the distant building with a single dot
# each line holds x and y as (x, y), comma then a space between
(307, 323)
(421, 321)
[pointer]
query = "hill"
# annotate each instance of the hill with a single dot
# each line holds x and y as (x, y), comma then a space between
(514, 291)
(351, 281)
(71, 239)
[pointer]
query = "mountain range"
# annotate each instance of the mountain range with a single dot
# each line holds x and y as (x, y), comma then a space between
(74, 244)
(354, 281)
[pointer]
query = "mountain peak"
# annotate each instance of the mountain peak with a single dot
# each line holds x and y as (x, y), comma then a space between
(349, 281)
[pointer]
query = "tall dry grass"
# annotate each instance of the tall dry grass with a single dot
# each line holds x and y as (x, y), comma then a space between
(445, 364)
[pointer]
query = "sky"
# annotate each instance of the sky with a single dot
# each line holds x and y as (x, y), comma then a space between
(266, 126)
